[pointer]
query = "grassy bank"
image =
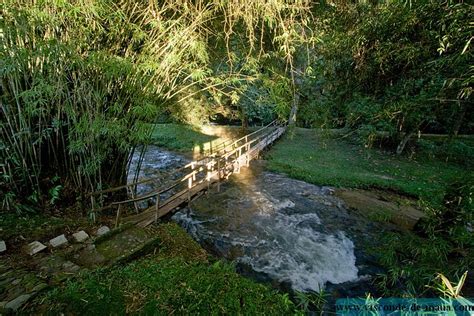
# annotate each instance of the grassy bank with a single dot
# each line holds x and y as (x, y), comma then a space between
(324, 159)
(186, 138)
(178, 278)
(179, 137)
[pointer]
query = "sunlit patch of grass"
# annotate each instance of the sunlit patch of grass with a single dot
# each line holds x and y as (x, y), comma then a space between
(187, 138)
(179, 137)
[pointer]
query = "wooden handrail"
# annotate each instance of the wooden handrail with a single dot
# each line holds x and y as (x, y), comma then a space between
(176, 170)
(191, 176)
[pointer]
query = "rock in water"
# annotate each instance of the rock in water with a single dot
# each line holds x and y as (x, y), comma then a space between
(58, 241)
(35, 247)
(80, 236)
(103, 230)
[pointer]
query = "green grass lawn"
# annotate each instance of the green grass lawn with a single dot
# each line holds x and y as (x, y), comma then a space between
(177, 279)
(179, 137)
(323, 159)
(186, 138)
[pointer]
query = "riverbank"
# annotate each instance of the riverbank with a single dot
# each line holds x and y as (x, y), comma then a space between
(420, 185)
(327, 158)
(402, 189)
(177, 276)
(301, 153)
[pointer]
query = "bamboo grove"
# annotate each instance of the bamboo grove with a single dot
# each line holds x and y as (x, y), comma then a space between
(82, 81)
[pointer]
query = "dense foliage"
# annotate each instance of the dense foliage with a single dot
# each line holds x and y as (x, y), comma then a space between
(81, 80)
(392, 69)
(443, 243)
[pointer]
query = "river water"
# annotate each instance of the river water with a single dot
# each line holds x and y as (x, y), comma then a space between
(278, 229)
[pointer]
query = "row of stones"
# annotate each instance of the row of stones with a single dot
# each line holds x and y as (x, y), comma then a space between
(19, 286)
(61, 240)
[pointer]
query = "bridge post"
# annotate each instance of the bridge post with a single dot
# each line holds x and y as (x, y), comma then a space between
(208, 176)
(157, 206)
(218, 175)
(247, 163)
(238, 159)
(190, 185)
(192, 168)
(93, 208)
(117, 217)
(132, 193)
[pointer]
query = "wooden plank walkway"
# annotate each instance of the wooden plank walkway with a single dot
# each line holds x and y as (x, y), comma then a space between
(195, 177)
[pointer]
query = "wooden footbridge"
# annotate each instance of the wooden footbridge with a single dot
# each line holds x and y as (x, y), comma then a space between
(189, 181)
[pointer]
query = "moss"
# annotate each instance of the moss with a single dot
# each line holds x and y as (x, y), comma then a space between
(175, 242)
(112, 233)
(122, 243)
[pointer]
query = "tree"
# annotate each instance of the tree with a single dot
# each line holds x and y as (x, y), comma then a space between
(394, 68)
(82, 81)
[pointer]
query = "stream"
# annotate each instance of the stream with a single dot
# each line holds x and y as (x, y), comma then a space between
(291, 233)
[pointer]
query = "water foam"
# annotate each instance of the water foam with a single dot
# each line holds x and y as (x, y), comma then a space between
(305, 257)
(288, 247)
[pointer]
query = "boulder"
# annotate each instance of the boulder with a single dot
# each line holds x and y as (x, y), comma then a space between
(103, 230)
(34, 247)
(58, 241)
(17, 302)
(3, 246)
(384, 206)
(80, 236)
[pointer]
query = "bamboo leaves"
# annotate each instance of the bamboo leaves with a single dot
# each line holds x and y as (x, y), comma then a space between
(78, 76)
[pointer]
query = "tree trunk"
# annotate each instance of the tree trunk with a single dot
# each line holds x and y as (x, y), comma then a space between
(244, 119)
(298, 81)
(403, 142)
(459, 120)
(294, 109)
(245, 123)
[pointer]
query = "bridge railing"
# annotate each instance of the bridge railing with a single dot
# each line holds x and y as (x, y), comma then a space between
(219, 165)
(229, 143)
